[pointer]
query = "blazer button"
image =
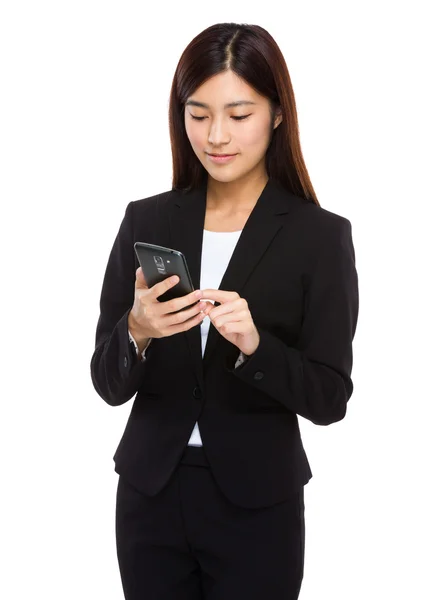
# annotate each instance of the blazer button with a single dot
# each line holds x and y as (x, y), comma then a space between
(258, 375)
(125, 361)
(197, 392)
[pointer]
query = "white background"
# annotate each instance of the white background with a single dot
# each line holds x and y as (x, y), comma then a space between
(84, 100)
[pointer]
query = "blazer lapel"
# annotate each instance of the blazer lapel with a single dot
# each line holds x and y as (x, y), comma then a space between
(186, 218)
(186, 223)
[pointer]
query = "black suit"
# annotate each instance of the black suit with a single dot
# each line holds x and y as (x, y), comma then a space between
(294, 263)
(187, 518)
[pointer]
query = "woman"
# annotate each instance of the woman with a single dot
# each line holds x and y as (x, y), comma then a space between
(211, 466)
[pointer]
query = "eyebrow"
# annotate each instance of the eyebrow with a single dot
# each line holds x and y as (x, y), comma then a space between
(229, 105)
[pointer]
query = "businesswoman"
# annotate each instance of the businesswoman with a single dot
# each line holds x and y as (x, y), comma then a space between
(210, 501)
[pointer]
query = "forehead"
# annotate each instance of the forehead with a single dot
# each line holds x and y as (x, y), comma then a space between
(224, 90)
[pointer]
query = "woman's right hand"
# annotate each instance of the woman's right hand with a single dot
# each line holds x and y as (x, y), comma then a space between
(150, 318)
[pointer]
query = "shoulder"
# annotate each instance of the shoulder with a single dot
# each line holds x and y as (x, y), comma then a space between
(320, 223)
(311, 219)
(318, 232)
(322, 217)
(151, 203)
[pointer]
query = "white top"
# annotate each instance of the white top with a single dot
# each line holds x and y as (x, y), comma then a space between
(217, 249)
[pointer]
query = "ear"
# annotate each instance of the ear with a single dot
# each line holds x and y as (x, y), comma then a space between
(278, 117)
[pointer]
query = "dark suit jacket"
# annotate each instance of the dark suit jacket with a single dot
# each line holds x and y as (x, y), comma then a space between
(294, 263)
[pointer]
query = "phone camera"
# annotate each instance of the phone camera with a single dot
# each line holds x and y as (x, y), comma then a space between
(158, 260)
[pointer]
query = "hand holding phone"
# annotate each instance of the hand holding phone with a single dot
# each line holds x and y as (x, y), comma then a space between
(154, 318)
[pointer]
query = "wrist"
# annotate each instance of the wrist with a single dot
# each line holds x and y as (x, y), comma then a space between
(137, 333)
(249, 351)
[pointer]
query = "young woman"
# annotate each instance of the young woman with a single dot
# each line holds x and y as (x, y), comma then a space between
(210, 501)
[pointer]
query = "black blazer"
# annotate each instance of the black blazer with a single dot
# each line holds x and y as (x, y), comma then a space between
(294, 263)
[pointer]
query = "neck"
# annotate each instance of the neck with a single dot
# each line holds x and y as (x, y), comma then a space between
(235, 196)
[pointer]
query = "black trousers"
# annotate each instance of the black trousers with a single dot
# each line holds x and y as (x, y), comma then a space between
(190, 543)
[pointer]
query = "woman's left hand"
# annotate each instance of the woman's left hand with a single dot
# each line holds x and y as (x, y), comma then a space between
(232, 319)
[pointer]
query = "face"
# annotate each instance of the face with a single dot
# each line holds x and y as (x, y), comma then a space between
(227, 116)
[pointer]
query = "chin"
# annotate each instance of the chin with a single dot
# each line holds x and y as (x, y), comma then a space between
(223, 178)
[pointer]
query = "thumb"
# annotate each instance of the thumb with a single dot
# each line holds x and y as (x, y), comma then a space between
(140, 282)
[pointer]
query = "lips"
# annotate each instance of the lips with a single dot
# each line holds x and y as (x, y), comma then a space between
(221, 159)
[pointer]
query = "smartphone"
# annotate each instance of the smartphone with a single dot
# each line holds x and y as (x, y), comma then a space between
(159, 263)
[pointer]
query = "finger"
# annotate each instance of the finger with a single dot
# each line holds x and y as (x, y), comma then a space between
(209, 303)
(176, 304)
(183, 320)
(219, 295)
(208, 308)
(233, 317)
(140, 282)
(243, 326)
(162, 286)
(183, 315)
(234, 327)
(227, 307)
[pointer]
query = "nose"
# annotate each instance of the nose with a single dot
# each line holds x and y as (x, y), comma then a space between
(218, 133)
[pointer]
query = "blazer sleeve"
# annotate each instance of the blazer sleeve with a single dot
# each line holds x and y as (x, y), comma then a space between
(116, 370)
(313, 379)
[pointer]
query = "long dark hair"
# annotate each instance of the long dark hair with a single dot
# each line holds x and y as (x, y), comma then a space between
(252, 54)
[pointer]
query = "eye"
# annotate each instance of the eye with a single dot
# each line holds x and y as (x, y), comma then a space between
(240, 118)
